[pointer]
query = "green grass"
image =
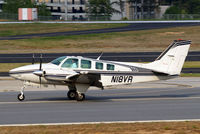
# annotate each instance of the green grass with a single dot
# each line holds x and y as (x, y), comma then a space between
(21, 29)
(114, 128)
(192, 64)
(132, 41)
(190, 75)
(102, 36)
(5, 67)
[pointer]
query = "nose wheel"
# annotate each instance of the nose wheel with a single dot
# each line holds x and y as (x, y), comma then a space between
(20, 97)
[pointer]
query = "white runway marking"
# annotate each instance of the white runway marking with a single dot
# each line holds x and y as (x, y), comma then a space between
(103, 122)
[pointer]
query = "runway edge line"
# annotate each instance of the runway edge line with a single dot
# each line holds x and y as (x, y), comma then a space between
(101, 122)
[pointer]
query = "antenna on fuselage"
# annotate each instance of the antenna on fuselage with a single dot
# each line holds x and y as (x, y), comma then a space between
(100, 56)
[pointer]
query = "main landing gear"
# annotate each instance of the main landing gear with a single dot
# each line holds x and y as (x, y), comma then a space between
(21, 96)
(76, 91)
(74, 95)
(71, 94)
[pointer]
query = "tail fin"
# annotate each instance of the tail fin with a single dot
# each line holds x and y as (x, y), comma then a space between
(172, 59)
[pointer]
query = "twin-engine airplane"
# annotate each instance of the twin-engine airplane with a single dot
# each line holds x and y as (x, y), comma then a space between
(79, 73)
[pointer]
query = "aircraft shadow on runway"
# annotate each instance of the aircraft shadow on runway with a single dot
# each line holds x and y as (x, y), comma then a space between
(109, 98)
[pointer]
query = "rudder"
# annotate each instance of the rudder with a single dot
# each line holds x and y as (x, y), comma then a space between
(172, 59)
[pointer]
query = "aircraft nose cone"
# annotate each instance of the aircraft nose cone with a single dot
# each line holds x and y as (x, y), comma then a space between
(13, 73)
(14, 70)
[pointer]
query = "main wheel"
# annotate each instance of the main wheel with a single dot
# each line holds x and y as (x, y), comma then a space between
(71, 94)
(80, 97)
(20, 97)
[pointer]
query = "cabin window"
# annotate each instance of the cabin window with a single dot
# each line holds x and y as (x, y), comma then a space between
(70, 63)
(99, 65)
(86, 64)
(58, 60)
(110, 67)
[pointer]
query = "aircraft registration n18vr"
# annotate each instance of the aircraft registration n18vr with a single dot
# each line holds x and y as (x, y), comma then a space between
(79, 73)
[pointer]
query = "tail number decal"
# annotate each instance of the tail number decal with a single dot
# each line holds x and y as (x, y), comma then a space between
(120, 79)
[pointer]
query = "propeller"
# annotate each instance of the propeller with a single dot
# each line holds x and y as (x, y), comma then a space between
(33, 59)
(40, 69)
(40, 72)
(40, 62)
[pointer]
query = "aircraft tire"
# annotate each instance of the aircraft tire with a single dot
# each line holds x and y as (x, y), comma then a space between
(80, 97)
(20, 97)
(71, 94)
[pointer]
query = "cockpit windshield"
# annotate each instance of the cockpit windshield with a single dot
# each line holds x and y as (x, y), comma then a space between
(58, 60)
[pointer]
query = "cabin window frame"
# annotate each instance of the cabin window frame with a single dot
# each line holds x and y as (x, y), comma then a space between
(89, 65)
(72, 65)
(108, 67)
(99, 63)
(58, 61)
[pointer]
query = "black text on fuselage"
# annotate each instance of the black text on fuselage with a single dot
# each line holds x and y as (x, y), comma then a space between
(122, 79)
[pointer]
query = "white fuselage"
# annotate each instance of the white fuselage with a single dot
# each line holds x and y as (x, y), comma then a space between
(120, 73)
(79, 73)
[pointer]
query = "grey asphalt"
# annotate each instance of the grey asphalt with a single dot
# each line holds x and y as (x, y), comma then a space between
(165, 100)
(130, 27)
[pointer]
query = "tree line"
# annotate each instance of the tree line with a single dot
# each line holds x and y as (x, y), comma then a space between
(105, 7)
(184, 7)
(12, 6)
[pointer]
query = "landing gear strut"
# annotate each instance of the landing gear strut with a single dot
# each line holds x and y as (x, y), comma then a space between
(80, 96)
(21, 96)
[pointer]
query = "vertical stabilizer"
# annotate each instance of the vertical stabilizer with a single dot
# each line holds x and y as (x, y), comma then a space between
(172, 59)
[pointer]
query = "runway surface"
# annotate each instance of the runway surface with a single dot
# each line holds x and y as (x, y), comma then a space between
(130, 27)
(165, 100)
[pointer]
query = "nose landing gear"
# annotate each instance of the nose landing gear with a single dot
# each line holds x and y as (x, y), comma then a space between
(21, 96)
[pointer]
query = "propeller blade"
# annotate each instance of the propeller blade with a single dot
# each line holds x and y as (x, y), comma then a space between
(40, 62)
(33, 59)
(40, 76)
(40, 79)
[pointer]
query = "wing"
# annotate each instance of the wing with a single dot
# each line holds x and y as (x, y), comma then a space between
(83, 77)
